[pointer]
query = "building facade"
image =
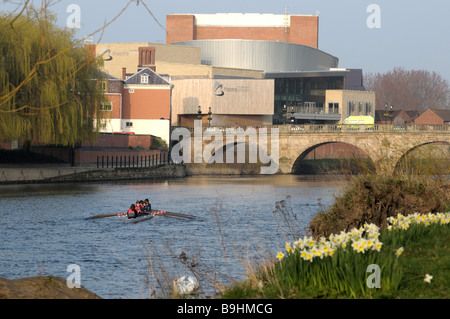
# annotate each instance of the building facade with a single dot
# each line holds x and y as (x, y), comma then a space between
(138, 102)
(230, 102)
(267, 68)
(298, 29)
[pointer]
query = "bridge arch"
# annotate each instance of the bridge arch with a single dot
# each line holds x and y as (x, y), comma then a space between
(246, 156)
(335, 155)
(434, 159)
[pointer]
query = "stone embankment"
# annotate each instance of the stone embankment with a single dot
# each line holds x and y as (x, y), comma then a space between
(75, 174)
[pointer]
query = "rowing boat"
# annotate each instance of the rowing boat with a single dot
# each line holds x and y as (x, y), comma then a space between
(153, 212)
(138, 219)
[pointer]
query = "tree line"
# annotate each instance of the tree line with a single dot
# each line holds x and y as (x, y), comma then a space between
(415, 90)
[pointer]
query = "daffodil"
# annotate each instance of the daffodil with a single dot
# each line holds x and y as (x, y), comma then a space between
(280, 255)
(288, 247)
(303, 254)
(428, 278)
(399, 251)
(378, 245)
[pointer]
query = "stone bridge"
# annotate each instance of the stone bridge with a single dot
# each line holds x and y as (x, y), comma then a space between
(385, 145)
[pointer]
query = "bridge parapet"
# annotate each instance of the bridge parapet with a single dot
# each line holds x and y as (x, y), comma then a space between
(332, 128)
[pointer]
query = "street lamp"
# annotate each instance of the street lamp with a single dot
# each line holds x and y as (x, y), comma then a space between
(199, 113)
(292, 115)
(388, 114)
(209, 116)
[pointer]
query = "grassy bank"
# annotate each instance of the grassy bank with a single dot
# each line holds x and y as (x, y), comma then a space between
(383, 237)
(410, 258)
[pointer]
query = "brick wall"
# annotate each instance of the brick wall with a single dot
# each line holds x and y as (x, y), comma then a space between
(244, 33)
(146, 104)
(109, 140)
(180, 28)
(303, 30)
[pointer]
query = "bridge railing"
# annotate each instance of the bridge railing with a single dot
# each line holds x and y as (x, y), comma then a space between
(330, 128)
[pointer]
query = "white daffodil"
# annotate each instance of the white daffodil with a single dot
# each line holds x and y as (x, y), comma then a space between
(428, 278)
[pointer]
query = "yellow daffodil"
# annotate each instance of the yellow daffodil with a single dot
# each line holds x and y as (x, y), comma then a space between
(399, 251)
(378, 245)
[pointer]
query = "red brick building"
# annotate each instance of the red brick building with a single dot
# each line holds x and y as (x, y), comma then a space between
(298, 29)
(395, 117)
(139, 102)
(437, 117)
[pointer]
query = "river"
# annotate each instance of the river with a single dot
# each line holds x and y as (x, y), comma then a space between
(44, 229)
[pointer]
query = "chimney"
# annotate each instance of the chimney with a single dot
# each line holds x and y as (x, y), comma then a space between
(90, 51)
(124, 74)
(146, 58)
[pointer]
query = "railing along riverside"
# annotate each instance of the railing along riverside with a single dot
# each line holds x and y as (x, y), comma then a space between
(129, 161)
(327, 128)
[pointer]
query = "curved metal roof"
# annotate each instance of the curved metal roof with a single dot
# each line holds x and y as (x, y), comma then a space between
(268, 56)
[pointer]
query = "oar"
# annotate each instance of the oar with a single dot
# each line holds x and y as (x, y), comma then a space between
(105, 215)
(170, 214)
(163, 213)
(178, 215)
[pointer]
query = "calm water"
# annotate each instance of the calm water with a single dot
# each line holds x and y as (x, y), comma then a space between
(43, 228)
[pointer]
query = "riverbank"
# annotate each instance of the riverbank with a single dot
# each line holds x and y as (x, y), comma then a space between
(393, 224)
(45, 287)
(67, 174)
(409, 260)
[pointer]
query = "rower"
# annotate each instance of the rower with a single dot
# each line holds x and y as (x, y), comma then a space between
(131, 213)
(147, 205)
(142, 207)
(138, 208)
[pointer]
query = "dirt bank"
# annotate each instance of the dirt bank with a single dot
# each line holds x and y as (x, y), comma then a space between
(41, 288)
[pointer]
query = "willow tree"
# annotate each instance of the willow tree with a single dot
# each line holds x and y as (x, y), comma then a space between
(49, 82)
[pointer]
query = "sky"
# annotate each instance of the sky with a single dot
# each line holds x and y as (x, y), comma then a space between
(373, 35)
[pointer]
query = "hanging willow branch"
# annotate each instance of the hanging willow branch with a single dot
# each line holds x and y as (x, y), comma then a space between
(49, 83)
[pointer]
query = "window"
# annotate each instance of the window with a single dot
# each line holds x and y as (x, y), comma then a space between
(106, 107)
(129, 124)
(333, 108)
(144, 79)
(104, 86)
(130, 90)
(351, 108)
(368, 108)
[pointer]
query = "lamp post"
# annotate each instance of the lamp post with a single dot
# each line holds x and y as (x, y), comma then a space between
(292, 115)
(199, 113)
(388, 114)
(209, 116)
